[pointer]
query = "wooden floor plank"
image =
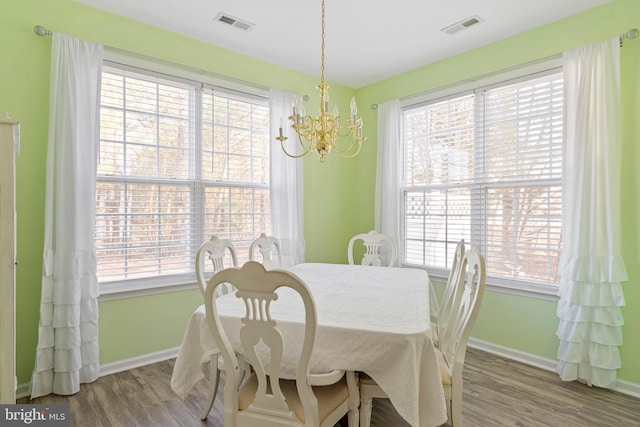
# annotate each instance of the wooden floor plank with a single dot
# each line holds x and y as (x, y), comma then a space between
(497, 392)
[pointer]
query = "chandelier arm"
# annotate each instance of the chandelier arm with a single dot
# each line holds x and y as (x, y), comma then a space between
(351, 130)
(343, 151)
(348, 156)
(303, 133)
(307, 133)
(310, 143)
(295, 156)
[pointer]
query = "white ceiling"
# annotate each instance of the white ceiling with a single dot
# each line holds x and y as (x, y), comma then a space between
(366, 40)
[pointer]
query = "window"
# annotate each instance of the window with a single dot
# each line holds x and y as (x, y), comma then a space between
(179, 162)
(486, 166)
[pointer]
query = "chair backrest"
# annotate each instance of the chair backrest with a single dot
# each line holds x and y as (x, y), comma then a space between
(465, 309)
(373, 242)
(446, 303)
(267, 245)
(215, 250)
(257, 287)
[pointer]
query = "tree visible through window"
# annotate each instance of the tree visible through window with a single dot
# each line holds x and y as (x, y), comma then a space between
(486, 167)
(177, 164)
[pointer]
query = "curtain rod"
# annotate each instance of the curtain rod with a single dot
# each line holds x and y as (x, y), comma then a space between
(42, 31)
(631, 34)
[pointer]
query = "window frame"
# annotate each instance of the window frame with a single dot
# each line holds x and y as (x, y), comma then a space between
(479, 85)
(202, 81)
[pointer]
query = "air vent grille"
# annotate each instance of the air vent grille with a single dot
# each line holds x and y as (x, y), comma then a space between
(462, 25)
(234, 22)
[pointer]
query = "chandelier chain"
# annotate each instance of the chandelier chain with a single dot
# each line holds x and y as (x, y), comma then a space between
(322, 48)
(321, 133)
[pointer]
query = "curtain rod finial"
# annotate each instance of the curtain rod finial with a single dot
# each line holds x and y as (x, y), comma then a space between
(41, 31)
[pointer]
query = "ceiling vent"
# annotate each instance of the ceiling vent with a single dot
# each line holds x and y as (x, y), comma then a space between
(234, 22)
(462, 25)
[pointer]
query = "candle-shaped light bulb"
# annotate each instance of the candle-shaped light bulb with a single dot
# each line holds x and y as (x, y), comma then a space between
(281, 127)
(302, 114)
(326, 100)
(336, 112)
(296, 105)
(354, 110)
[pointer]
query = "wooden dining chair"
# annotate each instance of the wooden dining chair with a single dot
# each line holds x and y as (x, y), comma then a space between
(265, 398)
(451, 353)
(267, 246)
(445, 306)
(219, 252)
(373, 242)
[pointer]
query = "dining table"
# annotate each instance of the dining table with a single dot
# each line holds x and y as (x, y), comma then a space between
(369, 319)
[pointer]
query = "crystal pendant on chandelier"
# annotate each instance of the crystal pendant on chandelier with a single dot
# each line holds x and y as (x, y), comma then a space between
(322, 133)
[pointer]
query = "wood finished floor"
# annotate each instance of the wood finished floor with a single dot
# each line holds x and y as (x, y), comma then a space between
(497, 392)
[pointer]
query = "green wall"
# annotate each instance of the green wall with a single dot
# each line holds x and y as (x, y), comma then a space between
(517, 322)
(338, 194)
(134, 327)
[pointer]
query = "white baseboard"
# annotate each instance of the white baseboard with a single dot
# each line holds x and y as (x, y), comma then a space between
(627, 387)
(510, 353)
(622, 386)
(119, 366)
(22, 391)
(136, 362)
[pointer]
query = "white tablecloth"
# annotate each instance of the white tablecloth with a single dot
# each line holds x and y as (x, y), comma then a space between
(371, 319)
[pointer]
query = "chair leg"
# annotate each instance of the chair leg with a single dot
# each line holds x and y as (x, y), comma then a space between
(214, 378)
(366, 405)
(456, 407)
(353, 417)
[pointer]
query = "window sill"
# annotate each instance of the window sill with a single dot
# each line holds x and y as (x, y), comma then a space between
(527, 290)
(542, 292)
(135, 289)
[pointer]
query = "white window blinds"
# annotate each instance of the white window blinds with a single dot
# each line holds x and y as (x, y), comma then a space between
(178, 163)
(486, 167)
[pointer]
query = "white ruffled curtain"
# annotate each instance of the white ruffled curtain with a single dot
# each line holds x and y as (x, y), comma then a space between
(67, 352)
(591, 268)
(387, 199)
(286, 183)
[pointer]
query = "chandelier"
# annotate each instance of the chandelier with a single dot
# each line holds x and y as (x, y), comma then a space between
(320, 134)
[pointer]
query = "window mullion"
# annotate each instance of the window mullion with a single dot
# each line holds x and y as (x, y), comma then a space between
(198, 189)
